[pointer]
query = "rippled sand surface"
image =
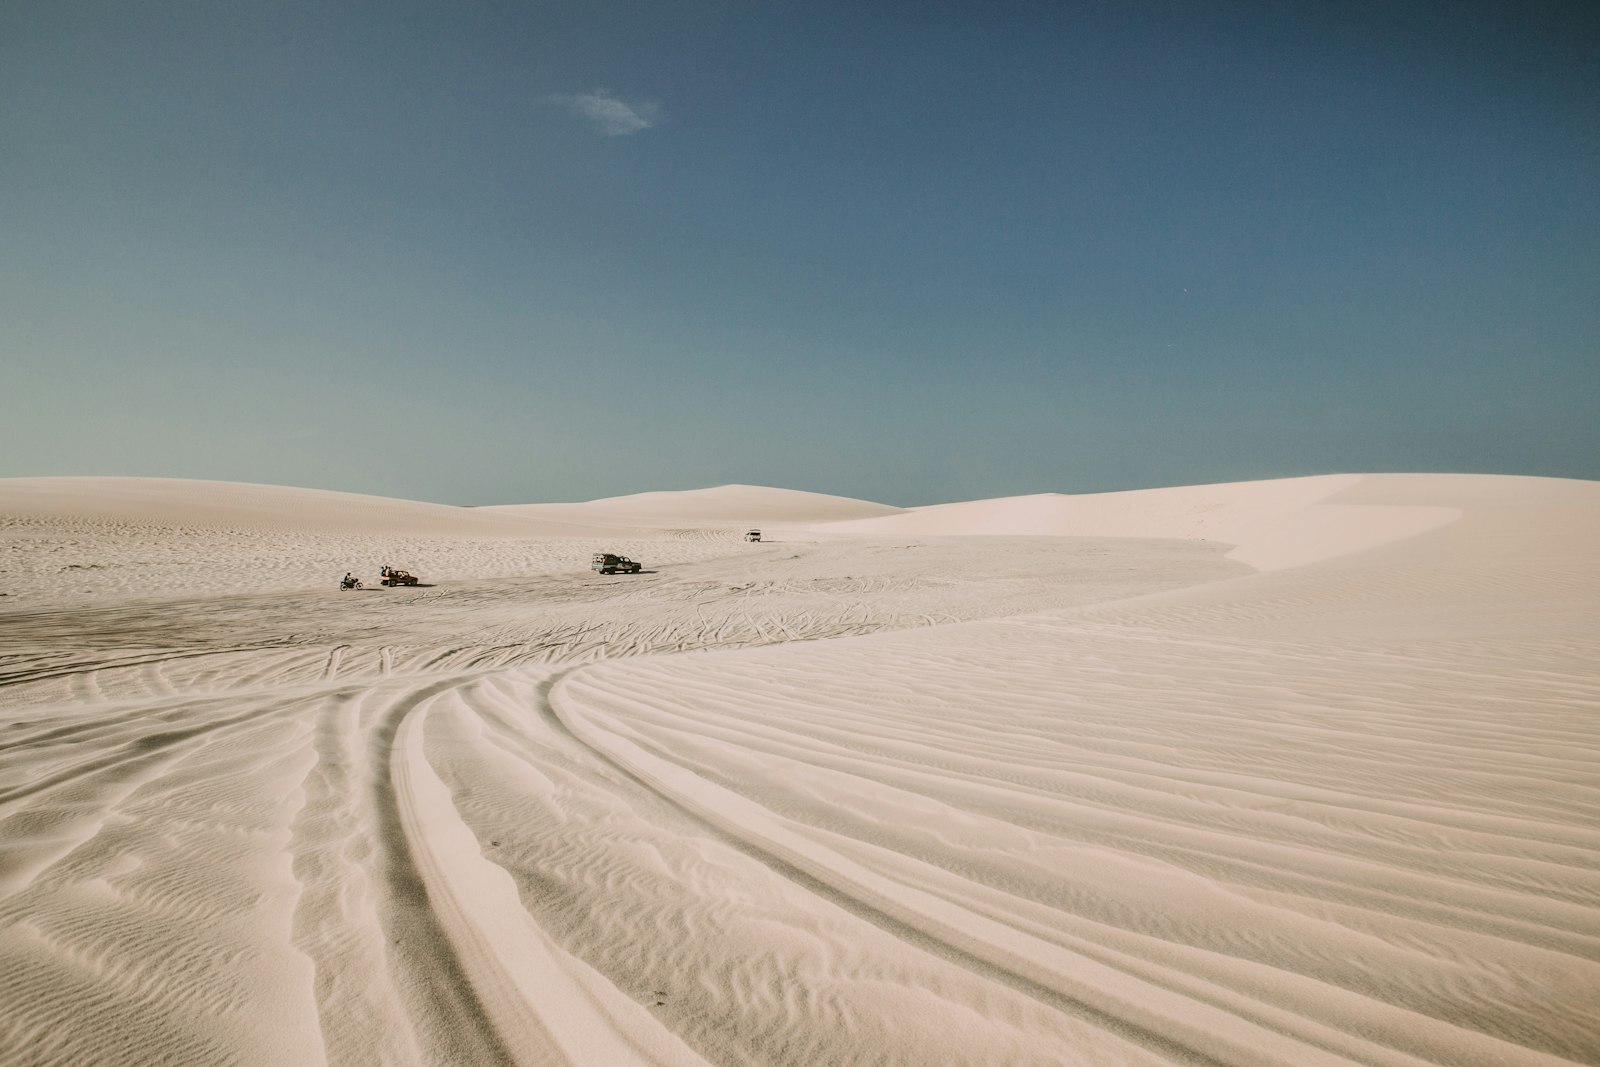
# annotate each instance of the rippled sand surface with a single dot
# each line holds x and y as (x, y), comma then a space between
(902, 789)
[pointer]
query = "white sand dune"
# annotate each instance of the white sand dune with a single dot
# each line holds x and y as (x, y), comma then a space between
(1271, 525)
(236, 506)
(1297, 772)
(725, 506)
(73, 540)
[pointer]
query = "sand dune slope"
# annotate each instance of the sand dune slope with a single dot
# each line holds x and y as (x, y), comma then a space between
(1344, 814)
(1047, 799)
(1270, 524)
(717, 507)
(184, 504)
(74, 540)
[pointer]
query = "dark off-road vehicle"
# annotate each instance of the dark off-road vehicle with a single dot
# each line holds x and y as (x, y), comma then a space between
(391, 576)
(610, 563)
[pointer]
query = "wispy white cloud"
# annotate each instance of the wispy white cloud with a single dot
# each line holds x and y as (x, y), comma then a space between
(613, 117)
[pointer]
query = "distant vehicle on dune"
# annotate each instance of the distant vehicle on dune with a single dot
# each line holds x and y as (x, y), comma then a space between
(611, 563)
(392, 576)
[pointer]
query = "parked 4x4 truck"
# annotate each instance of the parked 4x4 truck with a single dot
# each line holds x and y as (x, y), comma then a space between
(609, 563)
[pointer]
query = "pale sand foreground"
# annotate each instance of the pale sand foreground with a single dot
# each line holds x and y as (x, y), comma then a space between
(1320, 788)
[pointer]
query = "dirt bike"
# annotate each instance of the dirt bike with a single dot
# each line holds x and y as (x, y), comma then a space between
(350, 583)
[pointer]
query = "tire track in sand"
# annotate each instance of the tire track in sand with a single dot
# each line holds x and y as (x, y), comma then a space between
(492, 987)
(851, 892)
(455, 1028)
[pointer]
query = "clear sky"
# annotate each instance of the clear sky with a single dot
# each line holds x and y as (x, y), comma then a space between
(502, 251)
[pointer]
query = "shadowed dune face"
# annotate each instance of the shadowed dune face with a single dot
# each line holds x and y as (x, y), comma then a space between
(895, 791)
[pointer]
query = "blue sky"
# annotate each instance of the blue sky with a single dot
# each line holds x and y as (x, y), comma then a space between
(498, 252)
